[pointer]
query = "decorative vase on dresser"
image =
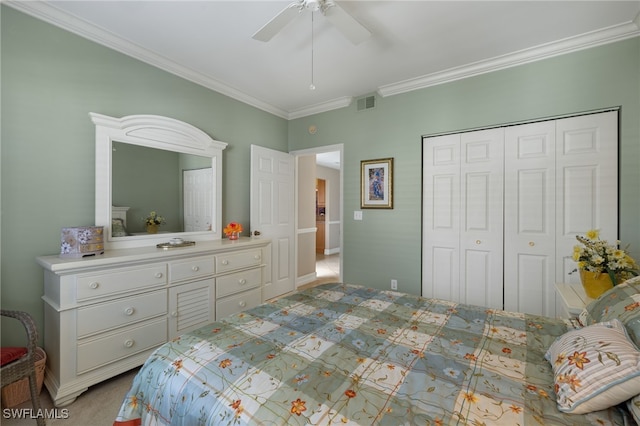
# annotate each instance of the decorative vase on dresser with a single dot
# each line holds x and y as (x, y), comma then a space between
(104, 315)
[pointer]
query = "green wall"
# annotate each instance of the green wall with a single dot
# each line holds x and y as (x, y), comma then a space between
(386, 244)
(51, 80)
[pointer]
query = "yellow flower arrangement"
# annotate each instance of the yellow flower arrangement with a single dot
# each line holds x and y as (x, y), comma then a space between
(232, 229)
(154, 219)
(598, 256)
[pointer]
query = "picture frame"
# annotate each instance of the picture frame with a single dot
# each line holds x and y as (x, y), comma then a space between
(376, 184)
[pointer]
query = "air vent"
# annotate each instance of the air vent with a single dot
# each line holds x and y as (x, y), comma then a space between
(368, 102)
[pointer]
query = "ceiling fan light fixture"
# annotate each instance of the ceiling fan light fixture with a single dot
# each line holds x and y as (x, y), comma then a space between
(312, 5)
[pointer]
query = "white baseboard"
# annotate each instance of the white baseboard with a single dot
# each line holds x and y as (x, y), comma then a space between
(306, 279)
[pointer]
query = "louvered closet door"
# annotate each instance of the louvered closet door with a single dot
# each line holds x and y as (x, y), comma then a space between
(441, 221)
(529, 218)
(587, 183)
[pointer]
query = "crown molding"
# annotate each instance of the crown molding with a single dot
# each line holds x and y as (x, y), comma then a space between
(330, 105)
(52, 15)
(525, 56)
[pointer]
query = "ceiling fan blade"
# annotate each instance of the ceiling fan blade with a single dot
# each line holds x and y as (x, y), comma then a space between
(347, 24)
(278, 22)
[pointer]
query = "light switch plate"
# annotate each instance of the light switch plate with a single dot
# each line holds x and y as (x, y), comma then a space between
(357, 215)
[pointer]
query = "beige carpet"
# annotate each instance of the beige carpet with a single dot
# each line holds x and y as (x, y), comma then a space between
(97, 406)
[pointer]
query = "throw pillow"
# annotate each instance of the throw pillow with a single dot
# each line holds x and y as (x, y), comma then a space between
(594, 368)
(621, 302)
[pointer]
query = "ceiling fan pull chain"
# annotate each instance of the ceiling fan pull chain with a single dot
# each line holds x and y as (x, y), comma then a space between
(312, 86)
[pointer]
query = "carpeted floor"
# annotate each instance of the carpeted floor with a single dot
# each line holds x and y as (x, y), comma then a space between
(96, 407)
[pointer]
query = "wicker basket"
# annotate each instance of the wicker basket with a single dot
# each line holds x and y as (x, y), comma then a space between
(18, 392)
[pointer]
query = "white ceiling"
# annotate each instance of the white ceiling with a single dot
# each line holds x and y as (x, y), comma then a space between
(414, 44)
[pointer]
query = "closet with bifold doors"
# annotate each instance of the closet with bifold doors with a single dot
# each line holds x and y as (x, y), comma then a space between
(502, 207)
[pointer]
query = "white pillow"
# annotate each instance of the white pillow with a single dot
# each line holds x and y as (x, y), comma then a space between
(594, 368)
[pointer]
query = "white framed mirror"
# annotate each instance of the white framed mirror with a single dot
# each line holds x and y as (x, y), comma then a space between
(150, 163)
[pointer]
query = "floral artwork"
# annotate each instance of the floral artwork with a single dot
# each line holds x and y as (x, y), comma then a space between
(376, 191)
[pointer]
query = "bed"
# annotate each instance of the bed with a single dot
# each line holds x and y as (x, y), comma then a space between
(347, 354)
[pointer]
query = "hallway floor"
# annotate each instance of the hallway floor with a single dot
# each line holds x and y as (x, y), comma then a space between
(328, 267)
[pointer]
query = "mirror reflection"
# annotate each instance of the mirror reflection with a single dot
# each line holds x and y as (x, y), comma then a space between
(177, 186)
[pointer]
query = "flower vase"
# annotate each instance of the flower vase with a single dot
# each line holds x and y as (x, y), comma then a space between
(233, 235)
(595, 284)
(152, 228)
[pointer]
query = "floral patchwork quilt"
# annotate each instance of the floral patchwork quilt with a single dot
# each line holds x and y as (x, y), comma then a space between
(345, 354)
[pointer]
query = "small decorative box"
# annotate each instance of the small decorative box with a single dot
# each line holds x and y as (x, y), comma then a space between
(82, 241)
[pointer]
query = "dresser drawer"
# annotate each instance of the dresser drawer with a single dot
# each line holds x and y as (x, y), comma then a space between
(238, 260)
(115, 346)
(240, 302)
(238, 281)
(192, 268)
(120, 312)
(121, 280)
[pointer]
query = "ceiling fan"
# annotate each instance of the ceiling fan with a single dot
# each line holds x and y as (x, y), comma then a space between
(343, 21)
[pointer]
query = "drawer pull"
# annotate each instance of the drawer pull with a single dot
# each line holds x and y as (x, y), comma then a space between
(128, 343)
(531, 243)
(94, 285)
(225, 262)
(158, 275)
(129, 311)
(242, 281)
(195, 268)
(256, 257)
(174, 314)
(242, 303)
(478, 242)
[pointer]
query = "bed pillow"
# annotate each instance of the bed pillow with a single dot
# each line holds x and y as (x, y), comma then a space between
(622, 302)
(594, 368)
(117, 228)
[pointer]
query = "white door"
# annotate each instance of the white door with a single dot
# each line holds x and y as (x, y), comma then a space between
(529, 221)
(586, 184)
(441, 218)
(197, 194)
(462, 236)
(481, 220)
(272, 214)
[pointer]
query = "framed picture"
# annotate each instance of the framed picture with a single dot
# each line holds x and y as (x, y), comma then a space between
(376, 184)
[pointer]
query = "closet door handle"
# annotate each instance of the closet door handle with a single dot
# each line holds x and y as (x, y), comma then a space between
(478, 242)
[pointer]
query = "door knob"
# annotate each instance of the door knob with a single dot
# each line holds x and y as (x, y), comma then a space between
(256, 233)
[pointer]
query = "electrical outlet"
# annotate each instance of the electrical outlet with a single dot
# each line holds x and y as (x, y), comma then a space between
(394, 284)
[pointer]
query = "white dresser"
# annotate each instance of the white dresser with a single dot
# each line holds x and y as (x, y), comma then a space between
(105, 314)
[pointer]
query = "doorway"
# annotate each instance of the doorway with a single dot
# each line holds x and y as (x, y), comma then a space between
(328, 213)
